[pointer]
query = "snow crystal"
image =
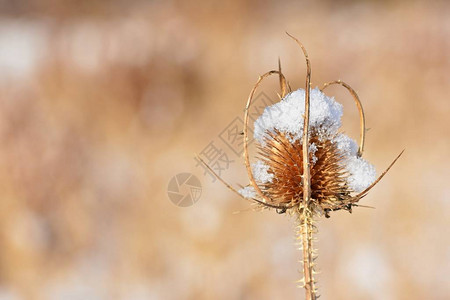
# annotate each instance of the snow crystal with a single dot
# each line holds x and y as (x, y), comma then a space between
(260, 172)
(287, 115)
(312, 150)
(346, 145)
(362, 173)
(248, 192)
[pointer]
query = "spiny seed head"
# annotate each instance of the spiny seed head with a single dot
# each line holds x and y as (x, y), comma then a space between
(336, 170)
(305, 164)
(285, 161)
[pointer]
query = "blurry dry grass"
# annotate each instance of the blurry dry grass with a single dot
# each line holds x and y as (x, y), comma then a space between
(99, 110)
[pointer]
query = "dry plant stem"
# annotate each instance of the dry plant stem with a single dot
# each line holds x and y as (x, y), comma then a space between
(362, 119)
(233, 189)
(282, 80)
(266, 199)
(218, 177)
(364, 193)
(306, 206)
(306, 217)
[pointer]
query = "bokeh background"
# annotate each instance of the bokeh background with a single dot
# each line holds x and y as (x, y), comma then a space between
(103, 102)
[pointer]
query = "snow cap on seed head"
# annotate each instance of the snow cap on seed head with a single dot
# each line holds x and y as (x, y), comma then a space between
(286, 116)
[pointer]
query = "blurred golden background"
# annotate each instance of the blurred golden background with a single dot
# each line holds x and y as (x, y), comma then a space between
(103, 102)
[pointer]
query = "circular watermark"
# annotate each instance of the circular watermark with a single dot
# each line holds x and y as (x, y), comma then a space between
(184, 189)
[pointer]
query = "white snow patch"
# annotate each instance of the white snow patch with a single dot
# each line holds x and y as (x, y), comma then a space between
(287, 115)
(248, 192)
(362, 173)
(346, 145)
(260, 172)
(312, 151)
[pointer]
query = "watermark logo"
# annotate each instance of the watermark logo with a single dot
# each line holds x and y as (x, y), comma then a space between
(219, 153)
(216, 158)
(184, 189)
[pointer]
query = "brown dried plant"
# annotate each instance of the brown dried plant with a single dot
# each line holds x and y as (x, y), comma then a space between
(299, 187)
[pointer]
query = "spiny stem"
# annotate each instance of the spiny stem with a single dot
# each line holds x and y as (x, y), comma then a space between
(305, 205)
(306, 234)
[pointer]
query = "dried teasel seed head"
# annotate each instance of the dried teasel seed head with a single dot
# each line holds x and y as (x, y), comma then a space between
(305, 164)
(337, 172)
